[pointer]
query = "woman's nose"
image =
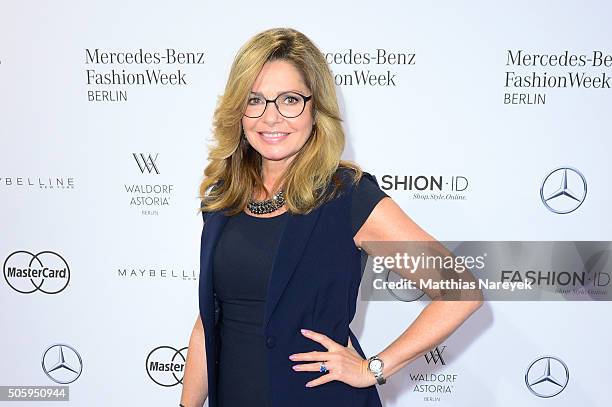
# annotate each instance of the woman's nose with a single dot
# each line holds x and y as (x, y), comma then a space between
(271, 115)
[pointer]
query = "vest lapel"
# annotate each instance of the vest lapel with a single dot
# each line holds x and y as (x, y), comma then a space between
(294, 236)
(214, 225)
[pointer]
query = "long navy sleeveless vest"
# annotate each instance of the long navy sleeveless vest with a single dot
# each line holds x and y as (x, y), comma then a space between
(314, 284)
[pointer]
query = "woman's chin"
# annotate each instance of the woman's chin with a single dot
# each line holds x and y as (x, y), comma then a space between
(275, 154)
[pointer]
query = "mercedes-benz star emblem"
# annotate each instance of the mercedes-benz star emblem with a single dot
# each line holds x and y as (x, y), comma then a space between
(547, 376)
(563, 190)
(62, 363)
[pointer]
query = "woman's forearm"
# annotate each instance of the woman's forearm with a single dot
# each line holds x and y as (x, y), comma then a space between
(434, 324)
(195, 379)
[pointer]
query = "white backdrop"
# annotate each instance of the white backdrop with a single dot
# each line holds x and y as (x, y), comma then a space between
(77, 179)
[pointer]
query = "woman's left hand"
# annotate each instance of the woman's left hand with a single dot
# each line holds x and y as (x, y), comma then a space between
(343, 363)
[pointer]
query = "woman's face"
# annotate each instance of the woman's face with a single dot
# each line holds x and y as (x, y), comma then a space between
(272, 135)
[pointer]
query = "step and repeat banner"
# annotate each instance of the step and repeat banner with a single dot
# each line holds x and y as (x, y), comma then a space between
(483, 121)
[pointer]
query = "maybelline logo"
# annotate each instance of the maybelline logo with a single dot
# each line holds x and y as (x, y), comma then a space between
(547, 376)
(62, 363)
(369, 77)
(155, 273)
(40, 183)
(148, 197)
(149, 76)
(551, 70)
(563, 190)
(428, 187)
(165, 365)
(433, 385)
(46, 271)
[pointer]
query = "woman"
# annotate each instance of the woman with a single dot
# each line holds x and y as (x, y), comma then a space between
(285, 219)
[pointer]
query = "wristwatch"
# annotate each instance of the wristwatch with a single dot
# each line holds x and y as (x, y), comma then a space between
(375, 366)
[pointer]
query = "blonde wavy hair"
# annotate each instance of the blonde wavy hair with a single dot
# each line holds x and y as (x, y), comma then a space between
(233, 172)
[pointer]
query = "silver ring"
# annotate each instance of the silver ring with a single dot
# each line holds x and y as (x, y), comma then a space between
(323, 368)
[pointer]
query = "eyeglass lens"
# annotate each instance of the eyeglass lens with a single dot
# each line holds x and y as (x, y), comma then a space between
(289, 104)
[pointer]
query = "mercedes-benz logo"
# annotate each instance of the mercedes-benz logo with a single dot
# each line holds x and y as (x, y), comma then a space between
(62, 363)
(547, 376)
(563, 190)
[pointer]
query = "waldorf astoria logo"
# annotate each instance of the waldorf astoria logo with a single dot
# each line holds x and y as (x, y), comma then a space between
(530, 76)
(110, 74)
(146, 163)
(150, 198)
(434, 387)
(376, 67)
(27, 272)
(165, 365)
(428, 187)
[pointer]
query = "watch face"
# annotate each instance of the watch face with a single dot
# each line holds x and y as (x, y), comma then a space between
(375, 365)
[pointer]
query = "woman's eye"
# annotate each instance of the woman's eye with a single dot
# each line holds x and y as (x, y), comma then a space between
(254, 101)
(290, 100)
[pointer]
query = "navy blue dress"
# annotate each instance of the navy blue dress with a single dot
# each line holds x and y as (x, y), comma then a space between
(242, 264)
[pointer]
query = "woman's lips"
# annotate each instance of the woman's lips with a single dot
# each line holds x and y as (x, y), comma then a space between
(273, 137)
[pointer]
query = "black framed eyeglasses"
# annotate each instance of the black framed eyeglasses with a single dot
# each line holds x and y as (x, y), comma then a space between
(288, 104)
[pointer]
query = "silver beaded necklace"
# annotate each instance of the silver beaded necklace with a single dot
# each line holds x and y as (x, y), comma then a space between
(267, 206)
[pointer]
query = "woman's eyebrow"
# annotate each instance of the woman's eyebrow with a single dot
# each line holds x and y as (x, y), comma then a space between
(278, 93)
